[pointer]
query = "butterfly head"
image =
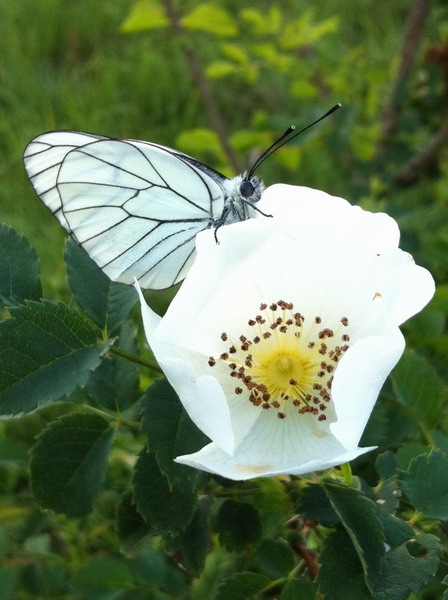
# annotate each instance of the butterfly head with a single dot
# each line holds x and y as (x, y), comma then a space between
(250, 188)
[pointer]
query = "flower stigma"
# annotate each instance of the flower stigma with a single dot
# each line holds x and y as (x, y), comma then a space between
(282, 362)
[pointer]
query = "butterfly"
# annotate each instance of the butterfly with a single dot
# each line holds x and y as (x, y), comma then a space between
(135, 206)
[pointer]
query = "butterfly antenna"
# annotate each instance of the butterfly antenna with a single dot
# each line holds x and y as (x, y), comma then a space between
(282, 141)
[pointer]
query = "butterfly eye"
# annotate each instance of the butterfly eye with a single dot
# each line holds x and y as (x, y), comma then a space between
(246, 188)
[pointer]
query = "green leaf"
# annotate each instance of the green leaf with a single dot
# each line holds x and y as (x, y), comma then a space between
(212, 19)
(445, 593)
(272, 498)
(7, 582)
(264, 23)
(218, 69)
(129, 524)
(315, 506)
(13, 452)
(275, 557)
(102, 578)
(68, 463)
(238, 525)
(152, 569)
(426, 484)
(341, 575)
(43, 581)
(235, 53)
(298, 589)
(241, 586)
(408, 567)
(304, 90)
(440, 440)
(19, 268)
(193, 543)
(419, 387)
(115, 384)
(106, 302)
(170, 430)
(145, 15)
(302, 31)
(46, 351)
(257, 19)
(396, 531)
(388, 496)
(165, 507)
(358, 515)
(386, 464)
(245, 140)
(408, 451)
(198, 141)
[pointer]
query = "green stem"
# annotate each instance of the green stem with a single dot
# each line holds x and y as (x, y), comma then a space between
(135, 358)
(113, 418)
(347, 473)
(232, 493)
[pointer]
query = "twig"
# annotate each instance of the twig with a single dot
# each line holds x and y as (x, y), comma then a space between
(410, 171)
(215, 118)
(411, 39)
(308, 556)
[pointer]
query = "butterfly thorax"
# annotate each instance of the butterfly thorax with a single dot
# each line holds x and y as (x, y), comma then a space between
(241, 194)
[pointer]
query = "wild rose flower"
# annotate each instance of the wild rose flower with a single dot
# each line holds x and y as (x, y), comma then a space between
(281, 336)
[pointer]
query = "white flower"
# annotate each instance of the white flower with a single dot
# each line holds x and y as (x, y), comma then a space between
(281, 336)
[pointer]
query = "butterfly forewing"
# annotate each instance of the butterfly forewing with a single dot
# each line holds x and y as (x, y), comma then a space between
(43, 157)
(134, 206)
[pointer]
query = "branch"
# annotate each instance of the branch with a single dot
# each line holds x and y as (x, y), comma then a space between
(214, 116)
(410, 171)
(411, 40)
(308, 556)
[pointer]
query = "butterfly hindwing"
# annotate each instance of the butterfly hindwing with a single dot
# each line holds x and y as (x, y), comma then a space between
(134, 206)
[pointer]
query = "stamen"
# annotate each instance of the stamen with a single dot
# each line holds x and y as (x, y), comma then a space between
(285, 369)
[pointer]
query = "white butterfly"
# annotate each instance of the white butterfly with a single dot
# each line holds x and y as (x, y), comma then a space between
(135, 206)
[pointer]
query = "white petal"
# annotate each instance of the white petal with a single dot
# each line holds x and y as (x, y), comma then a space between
(202, 397)
(213, 460)
(299, 207)
(274, 447)
(150, 318)
(358, 381)
(407, 288)
(204, 400)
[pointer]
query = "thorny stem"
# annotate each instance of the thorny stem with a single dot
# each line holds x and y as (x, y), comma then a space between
(134, 358)
(411, 40)
(215, 118)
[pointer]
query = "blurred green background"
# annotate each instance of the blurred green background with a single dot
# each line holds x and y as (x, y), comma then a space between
(104, 67)
(119, 68)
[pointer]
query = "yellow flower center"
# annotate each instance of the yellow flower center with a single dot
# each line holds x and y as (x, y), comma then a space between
(286, 362)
